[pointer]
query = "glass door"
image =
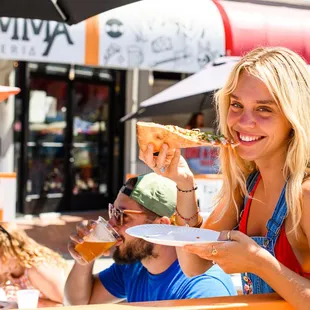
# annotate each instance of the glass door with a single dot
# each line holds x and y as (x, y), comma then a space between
(68, 139)
(90, 152)
(45, 146)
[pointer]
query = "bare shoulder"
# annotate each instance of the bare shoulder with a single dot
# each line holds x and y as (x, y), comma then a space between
(39, 271)
(45, 271)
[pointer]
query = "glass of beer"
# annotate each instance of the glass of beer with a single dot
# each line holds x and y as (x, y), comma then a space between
(100, 240)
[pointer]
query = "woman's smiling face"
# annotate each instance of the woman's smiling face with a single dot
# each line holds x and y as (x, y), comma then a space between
(255, 120)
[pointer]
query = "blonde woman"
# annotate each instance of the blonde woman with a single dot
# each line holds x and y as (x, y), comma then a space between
(25, 264)
(264, 206)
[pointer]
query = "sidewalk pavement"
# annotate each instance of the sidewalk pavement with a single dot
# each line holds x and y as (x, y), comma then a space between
(53, 229)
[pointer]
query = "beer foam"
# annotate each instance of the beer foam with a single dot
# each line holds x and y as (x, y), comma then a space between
(100, 234)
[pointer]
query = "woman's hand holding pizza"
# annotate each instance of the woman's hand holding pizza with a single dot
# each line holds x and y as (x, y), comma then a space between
(168, 163)
(165, 141)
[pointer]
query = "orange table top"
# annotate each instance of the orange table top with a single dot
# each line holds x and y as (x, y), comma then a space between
(250, 302)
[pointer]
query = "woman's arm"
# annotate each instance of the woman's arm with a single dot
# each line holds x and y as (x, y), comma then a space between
(244, 255)
(191, 264)
(294, 288)
(49, 280)
(179, 172)
(291, 286)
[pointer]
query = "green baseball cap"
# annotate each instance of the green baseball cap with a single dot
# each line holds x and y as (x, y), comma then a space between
(154, 192)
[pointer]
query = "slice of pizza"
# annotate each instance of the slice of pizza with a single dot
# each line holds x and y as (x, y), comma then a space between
(176, 137)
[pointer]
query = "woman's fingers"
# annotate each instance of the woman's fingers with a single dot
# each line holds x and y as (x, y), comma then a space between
(176, 158)
(203, 251)
(161, 158)
(156, 161)
(207, 251)
(148, 156)
(232, 235)
(164, 162)
(225, 235)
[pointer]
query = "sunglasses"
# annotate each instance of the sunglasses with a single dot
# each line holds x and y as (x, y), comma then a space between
(118, 214)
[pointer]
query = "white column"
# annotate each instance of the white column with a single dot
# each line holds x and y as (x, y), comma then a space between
(137, 90)
(7, 77)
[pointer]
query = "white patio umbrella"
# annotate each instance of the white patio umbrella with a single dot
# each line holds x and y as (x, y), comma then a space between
(190, 95)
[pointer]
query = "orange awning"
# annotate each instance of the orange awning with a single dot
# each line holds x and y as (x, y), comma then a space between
(6, 91)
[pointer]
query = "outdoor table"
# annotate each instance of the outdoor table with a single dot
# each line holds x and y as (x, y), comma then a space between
(46, 303)
(249, 302)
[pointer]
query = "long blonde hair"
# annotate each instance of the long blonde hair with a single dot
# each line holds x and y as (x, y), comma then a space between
(286, 76)
(16, 244)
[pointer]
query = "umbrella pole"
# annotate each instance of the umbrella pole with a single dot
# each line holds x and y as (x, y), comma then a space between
(134, 108)
(59, 10)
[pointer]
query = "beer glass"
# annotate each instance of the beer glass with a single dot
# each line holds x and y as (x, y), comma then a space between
(100, 240)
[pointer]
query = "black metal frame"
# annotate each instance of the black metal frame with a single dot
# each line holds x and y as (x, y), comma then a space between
(22, 80)
(116, 108)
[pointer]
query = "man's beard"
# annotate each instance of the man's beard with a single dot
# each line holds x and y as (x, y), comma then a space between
(135, 250)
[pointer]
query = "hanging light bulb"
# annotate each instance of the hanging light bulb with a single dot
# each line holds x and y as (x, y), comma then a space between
(151, 78)
(72, 73)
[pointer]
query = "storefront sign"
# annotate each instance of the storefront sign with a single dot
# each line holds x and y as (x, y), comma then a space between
(202, 160)
(177, 36)
(46, 41)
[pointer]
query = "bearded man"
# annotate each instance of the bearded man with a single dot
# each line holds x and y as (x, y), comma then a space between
(142, 271)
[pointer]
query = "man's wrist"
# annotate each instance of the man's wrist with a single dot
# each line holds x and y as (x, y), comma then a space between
(84, 268)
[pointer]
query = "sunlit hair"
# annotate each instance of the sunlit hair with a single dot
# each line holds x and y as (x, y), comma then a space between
(15, 243)
(286, 76)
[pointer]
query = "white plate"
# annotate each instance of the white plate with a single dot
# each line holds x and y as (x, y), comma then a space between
(173, 235)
